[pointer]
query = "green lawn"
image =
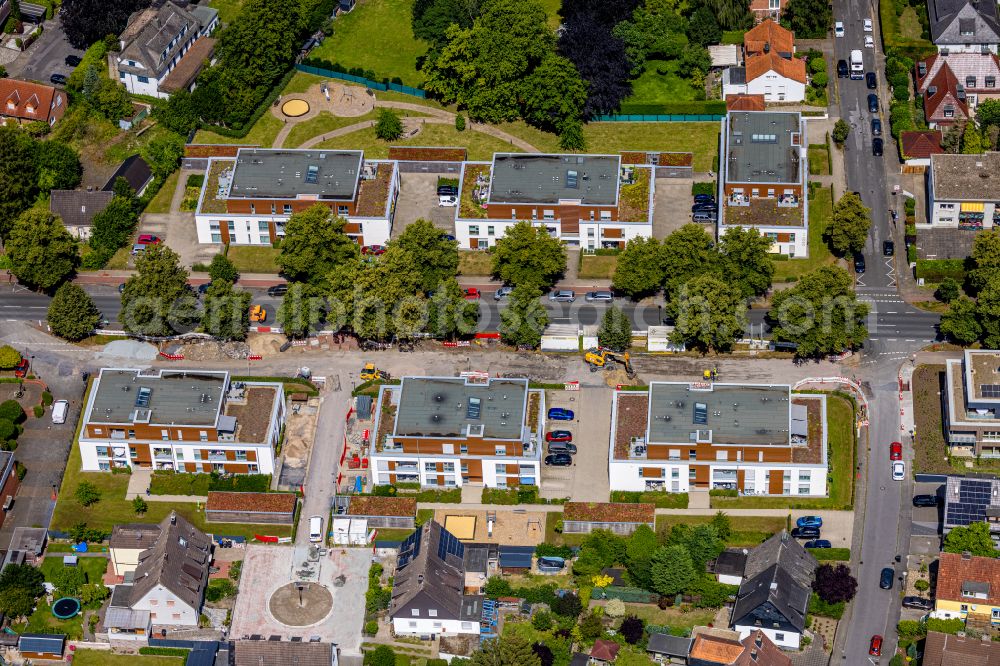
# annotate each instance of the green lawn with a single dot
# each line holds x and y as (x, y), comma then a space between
(261, 134)
(819, 160)
(42, 621)
(480, 146)
(680, 618)
(474, 262)
(161, 202)
(840, 437)
(93, 567)
(929, 448)
(702, 139)
(180, 484)
(376, 35)
(119, 260)
(598, 266)
(652, 87)
(253, 258)
(820, 213)
(747, 530)
(106, 658)
(321, 124)
(228, 9)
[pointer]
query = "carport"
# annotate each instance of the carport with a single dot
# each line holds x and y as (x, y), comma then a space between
(516, 559)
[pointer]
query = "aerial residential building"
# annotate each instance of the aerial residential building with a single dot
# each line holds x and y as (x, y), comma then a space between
(189, 421)
(771, 68)
(449, 431)
(248, 200)
(964, 26)
(968, 588)
(261, 652)
(918, 146)
(951, 650)
(136, 173)
(589, 201)
(164, 47)
(972, 499)
(763, 181)
(722, 647)
(25, 102)
(972, 414)
(77, 209)
(755, 438)
(963, 191)
(953, 84)
(766, 9)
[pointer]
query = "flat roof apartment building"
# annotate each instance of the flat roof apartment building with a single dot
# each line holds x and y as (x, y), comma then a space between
(963, 192)
(189, 421)
(449, 431)
(248, 200)
(972, 403)
(755, 438)
(588, 201)
(763, 181)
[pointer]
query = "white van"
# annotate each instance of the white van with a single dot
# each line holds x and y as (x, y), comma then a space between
(59, 410)
(316, 529)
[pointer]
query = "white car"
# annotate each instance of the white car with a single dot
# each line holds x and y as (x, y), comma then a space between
(838, 28)
(898, 470)
(447, 201)
(869, 42)
(868, 25)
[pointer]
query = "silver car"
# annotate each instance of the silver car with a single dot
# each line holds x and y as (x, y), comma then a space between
(562, 296)
(502, 292)
(599, 297)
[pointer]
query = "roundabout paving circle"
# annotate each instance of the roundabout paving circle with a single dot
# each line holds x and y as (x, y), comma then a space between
(303, 607)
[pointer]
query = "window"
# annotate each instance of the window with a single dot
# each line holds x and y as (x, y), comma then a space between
(133, 452)
(548, 215)
(779, 636)
(264, 240)
(466, 625)
(143, 79)
(448, 467)
(500, 450)
(241, 456)
(674, 454)
(121, 75)
(171, 602)
(605, 215)
(500, 468)
(232, 225)
(415, 612)
(692, 454)
(970, 82)
(463, 448)
(413, 625)
(473, 229)
(430, 467)
(203, 435)
(103, 451)
(286, 209)
(803, 490)
(947, 206)
(342, 210)
(180, 454)
(675, 473)
(949, 111)
(216, 238)
(164, 435)
(991, 82)
(262, 226)
(154, 602)
(722, 455)
(805, 475)
(432, 612)
(490, 230)
(691, 473)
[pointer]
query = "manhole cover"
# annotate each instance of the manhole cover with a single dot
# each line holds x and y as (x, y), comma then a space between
(300, 604)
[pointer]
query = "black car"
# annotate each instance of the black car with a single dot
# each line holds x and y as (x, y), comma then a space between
(859, 263)
(559, 460)
(842, 71)
(447, 191)
(918, 602)
(888, 248)
(876, 127)
(203, 288)
(873, 103)
(277, 290)
(926, 500)
(877, 147)
(885, 578)
(708, 207)
(58, 79)
(870, 81)
(73, 60)
(703, 198)
(805, 532)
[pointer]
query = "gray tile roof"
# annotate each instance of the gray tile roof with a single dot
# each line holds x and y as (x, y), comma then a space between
(138, 536)
(430, 574)
(262, 173)
(966, 177)
(179, 562)
(448, 406)
(964, 22)
(77, 208)
(281, 653)
(547, 179)
(760, 149)
(784, 550)
(779, 572)
(154, 36)
(673, 646)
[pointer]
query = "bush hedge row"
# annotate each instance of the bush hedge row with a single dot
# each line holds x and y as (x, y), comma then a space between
(695, 108)
(936, 270)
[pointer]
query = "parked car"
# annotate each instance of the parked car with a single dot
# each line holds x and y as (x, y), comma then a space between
(559, 460)
(73, 60)
(877, 147)
(148, 239)
(888, 248)
(805, 532)
(502, 292)
(869, 42)
(447, 190)
(842, 70)
(818, 543)
(859, 263)
(471, 294)
(926, 500)
(447, 201)
(316, 529)
(875, 646)
(562, 296)
(561, 414)
(871, 82)
(22, 368)
(58, 79)
(898, 470)
(559, 436)
(138, 249)
(895, 451)
(59, 410)
(868, 25)
(918, 603)
(561, 447)
(373, 250)
(203, 288)
(809, 521)
(838, 29)
(277, 290)
(872, 103)
(121, 288)
(885, 579)
(599, 297)
(876, 127)
(702, 198)
(703, 216)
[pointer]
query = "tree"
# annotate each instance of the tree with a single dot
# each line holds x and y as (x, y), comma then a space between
(227, 311)
(42, 253)
(177, 113)
(72, 314)
(732, 14)
(848, 230)
(528, 256)
(704, 27)
(507, 650)
(300, 312)
(744, 257)
(704, 544)
(87, 493)
(553, 94)
(111, 100)
(94, 593)
(638, 551)
(709, 314)
(632, 629)
(973, 538)
(69, 580)
(615, 332)
(11, 410)
(571, 136)
(24, 576)
(434, 255)
(314, 245)
(671, 570)
(723, 526)
(972, 140)
(139, 505)
(686, 253)
(638, 272)
(615, 607)
(988, 309)
(544, 653)
(808, 19)
(820, 314)
(985, 258)
(591, 627)
(524, 319)
(382, 655)
(58, 166)
(17, 602)
(449, 314)
(600, 57)
(388, 127)
(113, 227)
(432, 18)
(834, 584)
(156, 299)
(9, 357)
(542, 621)
(88, 21)
(18, 175)
(653, 31)
(222, 269)
(567, 605)
(381, 298)
(163, 153)
(961, 323)
(948, 290)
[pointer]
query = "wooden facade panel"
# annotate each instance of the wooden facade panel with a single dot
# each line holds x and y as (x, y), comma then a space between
(142, 454)
(152, 432)
(741, 477)
(251, 455)
(475, 447)
(709, 452)
(264, 206)
(230, 455)
(513, 469)
(440, 479)
(191, 467)
(475, 468)
(613, 233)
(776, 483)
(652, 472)
(237, 468)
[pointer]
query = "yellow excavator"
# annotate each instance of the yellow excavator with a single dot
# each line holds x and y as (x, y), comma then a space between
(599, 357)
(370, 372)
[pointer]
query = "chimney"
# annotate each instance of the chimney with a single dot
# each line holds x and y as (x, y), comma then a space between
(966, 555)
(758, 641)
(767, 47)
(774, 586)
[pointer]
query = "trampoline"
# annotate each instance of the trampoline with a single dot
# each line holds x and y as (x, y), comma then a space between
(66, 608)
(294, 108)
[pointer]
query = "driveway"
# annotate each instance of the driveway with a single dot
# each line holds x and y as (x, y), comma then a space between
(671, 203)
(418, 199)
(587, 479)
(46, 56)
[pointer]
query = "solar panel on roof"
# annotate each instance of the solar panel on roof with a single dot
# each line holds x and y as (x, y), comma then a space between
(410, 548)
(449, 545)
(474, 409)
(991, 390)
(974, 497)
(312, 174)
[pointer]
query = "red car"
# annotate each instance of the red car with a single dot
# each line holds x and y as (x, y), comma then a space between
(21, 369)
(374, 250)
(472, 294)
(875, 647)
(895, 451)
(147, 239)
(559, 436)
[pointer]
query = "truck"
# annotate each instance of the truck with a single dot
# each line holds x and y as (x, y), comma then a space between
(857, 64)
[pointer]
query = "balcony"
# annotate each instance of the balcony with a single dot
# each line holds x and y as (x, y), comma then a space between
(724, 475)
(788, 201)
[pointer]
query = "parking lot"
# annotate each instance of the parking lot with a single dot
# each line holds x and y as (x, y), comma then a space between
(47, 56)
(925, 531)
(587, 479)
(418, 199)
(671, 205)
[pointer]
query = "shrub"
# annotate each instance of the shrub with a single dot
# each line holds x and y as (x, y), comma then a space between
(936, 270)
(542, 621)
(380, 656)
(139, 505)
(371, 627)
(703, 188)
(459, 122)
(9, 357)
(196, 180)
(631, 629)
(549, 550)
(46, 398)
(21, 470)
(235, 569)
(87, 493)
(921, 585)
(164, 651)
(38, 410)
(568, 605)
(10, 410)
(615, 608)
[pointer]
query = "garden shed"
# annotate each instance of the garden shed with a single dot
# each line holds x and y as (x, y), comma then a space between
(253, 508)
(386, 512)
(618, 517)
(516, 559)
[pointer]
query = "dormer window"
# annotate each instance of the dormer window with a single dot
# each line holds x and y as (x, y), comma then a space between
(991, 82)
(949, 111)
(975, 590)
(970, 82)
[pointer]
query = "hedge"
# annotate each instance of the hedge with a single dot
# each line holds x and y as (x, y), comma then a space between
(164, 651)
(936, 270)
(694, 108)
(662, 500)
(831, 554)
(306, 385)
(265, 107)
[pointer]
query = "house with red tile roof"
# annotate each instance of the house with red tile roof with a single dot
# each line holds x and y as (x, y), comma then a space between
(919, 145)
(968, 588)
(720, 647)
(24, 102)
(766, 9)
(743, 102)
(954, 84)
(771, 68)
(604, 652)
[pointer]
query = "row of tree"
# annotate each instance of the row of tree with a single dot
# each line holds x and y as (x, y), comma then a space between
(976, 319)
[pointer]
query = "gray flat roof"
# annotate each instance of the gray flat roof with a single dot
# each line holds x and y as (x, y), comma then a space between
(541, 179)
(966, 177)
(289, 174)
(448, 406)
(174, 398)
(734, 413)
(760, 149)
